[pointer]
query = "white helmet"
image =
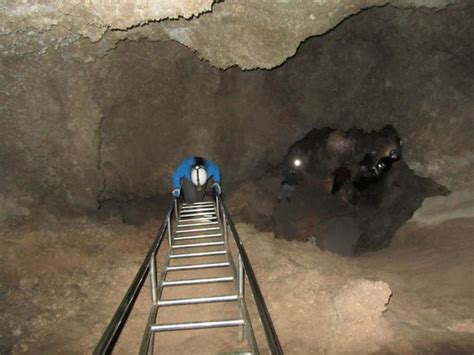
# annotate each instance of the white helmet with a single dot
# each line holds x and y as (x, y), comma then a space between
(199, 176)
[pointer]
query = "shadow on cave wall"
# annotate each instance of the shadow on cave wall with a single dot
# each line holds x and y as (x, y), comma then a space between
(134, 211)
(351, 220)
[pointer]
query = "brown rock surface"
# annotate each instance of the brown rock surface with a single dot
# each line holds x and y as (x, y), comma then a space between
(429, 269)
(74, 133)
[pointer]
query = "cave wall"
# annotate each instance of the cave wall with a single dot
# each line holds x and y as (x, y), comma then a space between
(74, 133)
(49, 134)
(411, 69)
(183, 106)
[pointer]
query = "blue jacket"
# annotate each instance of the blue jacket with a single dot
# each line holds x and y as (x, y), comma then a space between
(184, 171)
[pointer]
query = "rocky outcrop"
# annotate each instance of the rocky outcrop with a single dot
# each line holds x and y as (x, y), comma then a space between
(259, 34)
(91, 18)
(250, 34)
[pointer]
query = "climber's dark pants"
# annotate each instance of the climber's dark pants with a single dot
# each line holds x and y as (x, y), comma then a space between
(191, 192)
(336, 186)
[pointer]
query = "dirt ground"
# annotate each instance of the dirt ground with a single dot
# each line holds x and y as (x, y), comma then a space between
(61, 280)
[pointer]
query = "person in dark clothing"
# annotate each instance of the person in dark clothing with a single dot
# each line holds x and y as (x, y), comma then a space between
(367, 160)
(361, 181)
(384, 164)
(292, 178)
(363, 178)
(341, 175)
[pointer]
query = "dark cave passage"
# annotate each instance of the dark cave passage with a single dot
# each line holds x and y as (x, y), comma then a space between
(342, 196)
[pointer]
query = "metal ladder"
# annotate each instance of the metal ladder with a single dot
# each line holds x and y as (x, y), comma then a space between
(199, 227)
(202, 230)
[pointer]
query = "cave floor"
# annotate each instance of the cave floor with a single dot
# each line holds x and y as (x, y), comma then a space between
(61, 280)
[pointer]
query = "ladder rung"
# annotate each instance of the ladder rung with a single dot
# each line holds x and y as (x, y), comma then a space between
(197, 300)
(206, 212)
(199, 230)
(199, 236)
(197, 224)
(197, 245)
(203, 205)
(198, 219)
(201, 214)
(192, 255)
(198, 203)
(198, 281)
(198, 209)
(197, 325)
(197, 266)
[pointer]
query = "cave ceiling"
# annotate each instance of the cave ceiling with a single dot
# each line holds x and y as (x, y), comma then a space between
(247, 33)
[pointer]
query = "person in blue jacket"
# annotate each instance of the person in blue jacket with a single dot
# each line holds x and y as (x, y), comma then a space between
(191, 177)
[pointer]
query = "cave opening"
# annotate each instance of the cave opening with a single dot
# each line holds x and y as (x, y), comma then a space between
(341, 191)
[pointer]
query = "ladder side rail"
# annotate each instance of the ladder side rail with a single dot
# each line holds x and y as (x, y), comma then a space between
(247, 328)
(270, 333)
(116, 324)
(148, 340)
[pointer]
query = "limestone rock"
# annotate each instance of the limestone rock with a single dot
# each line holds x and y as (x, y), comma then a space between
(33, 26)
(360, 300)
(264, 33)
(250, 34)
